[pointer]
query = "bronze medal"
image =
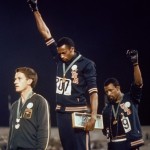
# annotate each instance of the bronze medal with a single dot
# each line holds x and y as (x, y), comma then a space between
(115, 112)
(115, 122)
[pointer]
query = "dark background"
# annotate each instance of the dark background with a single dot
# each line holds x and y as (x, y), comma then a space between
(102, 31)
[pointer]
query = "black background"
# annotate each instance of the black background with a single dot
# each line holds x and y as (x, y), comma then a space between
(102, 31)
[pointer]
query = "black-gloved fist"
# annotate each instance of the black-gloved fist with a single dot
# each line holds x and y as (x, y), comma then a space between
(133, 55)
(33, 5)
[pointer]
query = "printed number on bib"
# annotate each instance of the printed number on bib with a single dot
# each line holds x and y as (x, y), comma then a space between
(63, 89)
(126, 124)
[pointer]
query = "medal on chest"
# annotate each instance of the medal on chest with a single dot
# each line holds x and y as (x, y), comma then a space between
(17, 125)
(63, 79)
(115, 121)
(115, 112)
(19, 111)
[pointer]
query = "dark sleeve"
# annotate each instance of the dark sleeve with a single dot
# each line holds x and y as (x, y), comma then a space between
(10, 125)
(90, 76)
(52, 45)
(10, 131)
(105, 119)
(135, 93)
(44, 125)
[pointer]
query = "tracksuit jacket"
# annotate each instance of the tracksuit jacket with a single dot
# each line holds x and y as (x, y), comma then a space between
(128, 110)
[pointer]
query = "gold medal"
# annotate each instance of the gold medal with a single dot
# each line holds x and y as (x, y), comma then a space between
(64, 79)
(115, 122)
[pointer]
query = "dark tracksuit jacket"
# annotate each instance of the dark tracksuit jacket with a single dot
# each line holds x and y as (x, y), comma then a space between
(79, 78)
(128, 112)
(71, 96)
(34, 129)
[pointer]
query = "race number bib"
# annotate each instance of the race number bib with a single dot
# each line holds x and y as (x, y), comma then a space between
(63, 88)
(126, 124)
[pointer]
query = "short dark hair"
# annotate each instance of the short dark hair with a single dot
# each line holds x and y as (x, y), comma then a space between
(29, 73)
(113, 81)
(65, 41)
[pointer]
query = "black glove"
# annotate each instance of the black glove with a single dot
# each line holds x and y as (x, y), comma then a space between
(33, 5)
(133, 55)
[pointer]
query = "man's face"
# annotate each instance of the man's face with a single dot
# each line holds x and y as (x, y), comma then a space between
(21, 82)
(112, 92)
(65, 53)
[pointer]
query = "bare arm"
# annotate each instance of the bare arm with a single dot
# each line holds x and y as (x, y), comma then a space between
(94, 106)
(42, 27)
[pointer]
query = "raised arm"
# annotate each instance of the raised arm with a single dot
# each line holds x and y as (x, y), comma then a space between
(42, 27)
(133, 55)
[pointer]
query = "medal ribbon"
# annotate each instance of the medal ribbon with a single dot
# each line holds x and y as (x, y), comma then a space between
(18, 108)
(113, 109)
(65, 71)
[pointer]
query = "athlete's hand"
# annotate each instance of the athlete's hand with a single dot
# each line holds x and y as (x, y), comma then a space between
(33, 5)
(89, 126)
(133, 55)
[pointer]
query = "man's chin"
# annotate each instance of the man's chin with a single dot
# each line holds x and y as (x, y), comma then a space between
(18, 91)
(111, 100)
(64, 60)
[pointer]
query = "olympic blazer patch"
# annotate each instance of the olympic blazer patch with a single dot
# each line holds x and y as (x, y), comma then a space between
(125, 106)
(28, 111)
